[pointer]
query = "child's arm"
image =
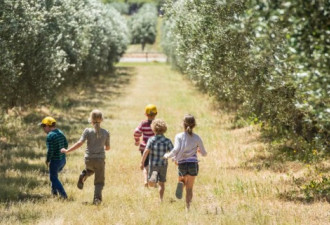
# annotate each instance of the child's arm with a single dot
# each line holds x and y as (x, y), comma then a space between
(175, 150)
(107, 142)
(137, 135)
(74, 147)
(201, 148)
(144, 156)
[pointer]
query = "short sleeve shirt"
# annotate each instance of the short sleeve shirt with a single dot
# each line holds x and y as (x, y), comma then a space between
(95, 145)
(158, 146)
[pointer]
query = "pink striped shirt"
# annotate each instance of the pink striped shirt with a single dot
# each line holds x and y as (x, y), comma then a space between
(144, 129)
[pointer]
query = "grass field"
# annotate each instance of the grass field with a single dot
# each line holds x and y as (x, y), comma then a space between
(231, 188)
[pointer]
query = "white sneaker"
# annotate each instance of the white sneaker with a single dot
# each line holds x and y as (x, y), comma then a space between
(154, 177)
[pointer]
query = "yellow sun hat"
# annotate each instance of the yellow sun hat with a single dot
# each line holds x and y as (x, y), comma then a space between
(48, 121)
(151, 109)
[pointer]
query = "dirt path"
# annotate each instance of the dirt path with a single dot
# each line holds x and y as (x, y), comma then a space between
(144, 57)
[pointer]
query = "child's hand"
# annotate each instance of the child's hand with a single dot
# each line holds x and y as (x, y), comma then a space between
(141, 166)
(137, 143)
(63, 150)
(166, 155)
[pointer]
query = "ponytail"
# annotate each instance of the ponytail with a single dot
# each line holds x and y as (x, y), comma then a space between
(97, 129)
(189, 123)
(96, 118)
(189, 130)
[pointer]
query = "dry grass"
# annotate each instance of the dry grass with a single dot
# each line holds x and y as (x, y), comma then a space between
(226, 190)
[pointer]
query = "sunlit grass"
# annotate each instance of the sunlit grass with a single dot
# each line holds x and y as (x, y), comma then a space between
(226, 190)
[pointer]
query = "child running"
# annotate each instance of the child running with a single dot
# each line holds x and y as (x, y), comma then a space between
(98, 141)
(156, 147)
(144, 130)
(186, 146)
(55, 159)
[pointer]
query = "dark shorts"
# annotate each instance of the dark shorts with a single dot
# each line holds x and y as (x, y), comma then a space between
(188, 168)
(146, 163)
(162, 171)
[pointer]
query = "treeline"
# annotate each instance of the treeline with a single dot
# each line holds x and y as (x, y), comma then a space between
(47, 44)
(271, 58)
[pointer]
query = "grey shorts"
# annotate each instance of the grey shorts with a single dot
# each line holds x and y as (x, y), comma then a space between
(162, 171)
(188, 168)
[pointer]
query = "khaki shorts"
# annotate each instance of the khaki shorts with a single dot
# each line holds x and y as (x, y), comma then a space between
(162, 171)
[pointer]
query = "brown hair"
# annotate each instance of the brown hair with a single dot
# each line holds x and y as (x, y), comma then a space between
(96, 118)
(189, 123)
(158, 126)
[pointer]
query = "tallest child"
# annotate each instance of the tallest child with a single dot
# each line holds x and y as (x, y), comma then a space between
(144, 130)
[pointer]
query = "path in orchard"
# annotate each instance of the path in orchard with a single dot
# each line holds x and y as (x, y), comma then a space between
(231, 187)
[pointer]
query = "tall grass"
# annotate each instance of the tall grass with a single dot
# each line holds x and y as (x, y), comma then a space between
(227, 191)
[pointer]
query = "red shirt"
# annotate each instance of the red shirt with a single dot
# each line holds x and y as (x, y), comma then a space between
(143, 129)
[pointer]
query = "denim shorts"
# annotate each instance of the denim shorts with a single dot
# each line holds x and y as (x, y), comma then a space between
(188, 168)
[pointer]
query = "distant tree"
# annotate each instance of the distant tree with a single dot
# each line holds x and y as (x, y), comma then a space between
(143, 25)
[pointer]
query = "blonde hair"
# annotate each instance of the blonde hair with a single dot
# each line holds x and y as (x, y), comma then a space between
(189, 123)
(96, 118)
(158, 126)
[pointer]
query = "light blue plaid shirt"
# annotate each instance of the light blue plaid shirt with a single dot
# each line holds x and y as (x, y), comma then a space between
(158, 146)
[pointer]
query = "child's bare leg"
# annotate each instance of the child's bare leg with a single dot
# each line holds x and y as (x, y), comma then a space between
(189, 189)
(161, 190)
(181, 179)
(145, 174)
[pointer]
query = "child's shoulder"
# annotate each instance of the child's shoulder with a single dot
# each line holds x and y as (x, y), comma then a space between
(145, 122)
(179, 135)
(105, 131)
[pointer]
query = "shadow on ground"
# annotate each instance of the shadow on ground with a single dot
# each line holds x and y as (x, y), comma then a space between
(22, 147)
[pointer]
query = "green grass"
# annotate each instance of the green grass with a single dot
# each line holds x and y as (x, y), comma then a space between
(230, 189)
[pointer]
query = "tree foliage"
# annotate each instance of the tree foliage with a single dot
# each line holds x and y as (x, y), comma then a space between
(270, 57)
(143, 25)
(48, 44)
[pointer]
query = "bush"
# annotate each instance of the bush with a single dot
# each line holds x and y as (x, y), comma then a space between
(263, 56)
(46, 45)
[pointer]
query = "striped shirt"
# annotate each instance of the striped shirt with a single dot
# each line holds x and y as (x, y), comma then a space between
(144, 129)
(158, 146)
(55, 141)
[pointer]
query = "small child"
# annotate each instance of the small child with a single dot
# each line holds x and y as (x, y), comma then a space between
(186, 146)
(98, 141)
(55, 159)
(156, 147)
(144, 130)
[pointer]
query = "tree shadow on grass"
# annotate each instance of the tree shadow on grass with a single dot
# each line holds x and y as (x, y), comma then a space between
(22, 167)
(18, 188)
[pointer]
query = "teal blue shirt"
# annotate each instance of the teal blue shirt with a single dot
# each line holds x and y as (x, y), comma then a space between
(55, 142)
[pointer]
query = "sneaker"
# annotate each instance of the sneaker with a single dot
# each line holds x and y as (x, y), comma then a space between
(97, 201)
(179, 190)
(81, 180)
(153, 177)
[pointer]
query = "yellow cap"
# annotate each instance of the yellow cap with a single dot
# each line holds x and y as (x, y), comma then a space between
(49, 121)
(151, 109)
